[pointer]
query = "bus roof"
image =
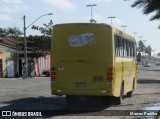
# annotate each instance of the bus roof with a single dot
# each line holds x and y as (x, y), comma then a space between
(120, 32)
(82, 24)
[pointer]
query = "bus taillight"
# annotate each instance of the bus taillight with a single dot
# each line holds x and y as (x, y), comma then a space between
(109, 78)
(109, 74)
(53, 77)
(53, 73)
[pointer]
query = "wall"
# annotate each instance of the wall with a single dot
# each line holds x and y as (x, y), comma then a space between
(42, 63)
(7, 56)
(1, 65)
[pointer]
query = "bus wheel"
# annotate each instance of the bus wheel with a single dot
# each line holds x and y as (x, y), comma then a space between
(119, 99)
(130, 94)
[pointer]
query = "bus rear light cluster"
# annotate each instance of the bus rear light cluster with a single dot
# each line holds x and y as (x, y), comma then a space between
(53, 73)
(109, 78)
(109, 74)
(53, 68)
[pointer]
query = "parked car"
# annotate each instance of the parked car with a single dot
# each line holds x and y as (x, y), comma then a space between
(46, 73)
(147, 65)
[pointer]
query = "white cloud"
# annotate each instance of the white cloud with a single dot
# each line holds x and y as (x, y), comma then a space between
(61, 4)
(4, 17)
(12, 6)
(98, 18)
(13, 1)
(118, 21)
(5, 9)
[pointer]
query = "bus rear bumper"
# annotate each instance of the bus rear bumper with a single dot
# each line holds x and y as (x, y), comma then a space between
(98, 92)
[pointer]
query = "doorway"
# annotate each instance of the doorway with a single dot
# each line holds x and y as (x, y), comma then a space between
(20, 67)
(10, 67)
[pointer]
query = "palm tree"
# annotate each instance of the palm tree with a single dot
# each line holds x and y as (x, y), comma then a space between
(149, 6)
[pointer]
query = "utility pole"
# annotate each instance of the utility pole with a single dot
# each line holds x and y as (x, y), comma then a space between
(25, 45)
(111, 17)
(92, 5)
(134, 34)
(124, 26)
(25, 40)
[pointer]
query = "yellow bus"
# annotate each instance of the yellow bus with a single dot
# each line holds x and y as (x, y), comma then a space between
(90, 59)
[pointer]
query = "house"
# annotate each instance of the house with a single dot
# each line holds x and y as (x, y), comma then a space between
(12, 58)
(43, 63)
(8, 58)
(155, 60)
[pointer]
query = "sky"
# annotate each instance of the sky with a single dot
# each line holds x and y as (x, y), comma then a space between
(75, 11)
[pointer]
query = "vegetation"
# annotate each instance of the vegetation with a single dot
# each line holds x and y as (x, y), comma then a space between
(148, 7)
(38, 45)
(46, 30)
(10, 32)
(143, 48)
(41, 45)
(149, 50)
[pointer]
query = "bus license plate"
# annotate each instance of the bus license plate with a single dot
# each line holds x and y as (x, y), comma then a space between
(80, 84)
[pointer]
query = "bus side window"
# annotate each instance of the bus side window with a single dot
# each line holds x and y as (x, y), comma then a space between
(124, 46)
(120, 47)
(127, 47)
(129, 50)
(134, 49)
(116, 45)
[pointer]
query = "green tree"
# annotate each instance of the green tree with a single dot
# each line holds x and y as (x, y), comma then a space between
(38, 45)
(148, 50)
(46, 30)
(2, 32)
(11, 32)
(141, 46)
(41, 45)
(149, 6)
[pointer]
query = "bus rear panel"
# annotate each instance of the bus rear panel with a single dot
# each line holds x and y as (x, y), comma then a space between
(82, 60)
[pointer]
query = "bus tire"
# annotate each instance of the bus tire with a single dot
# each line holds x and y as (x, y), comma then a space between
(130, 94)
(119, 99)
